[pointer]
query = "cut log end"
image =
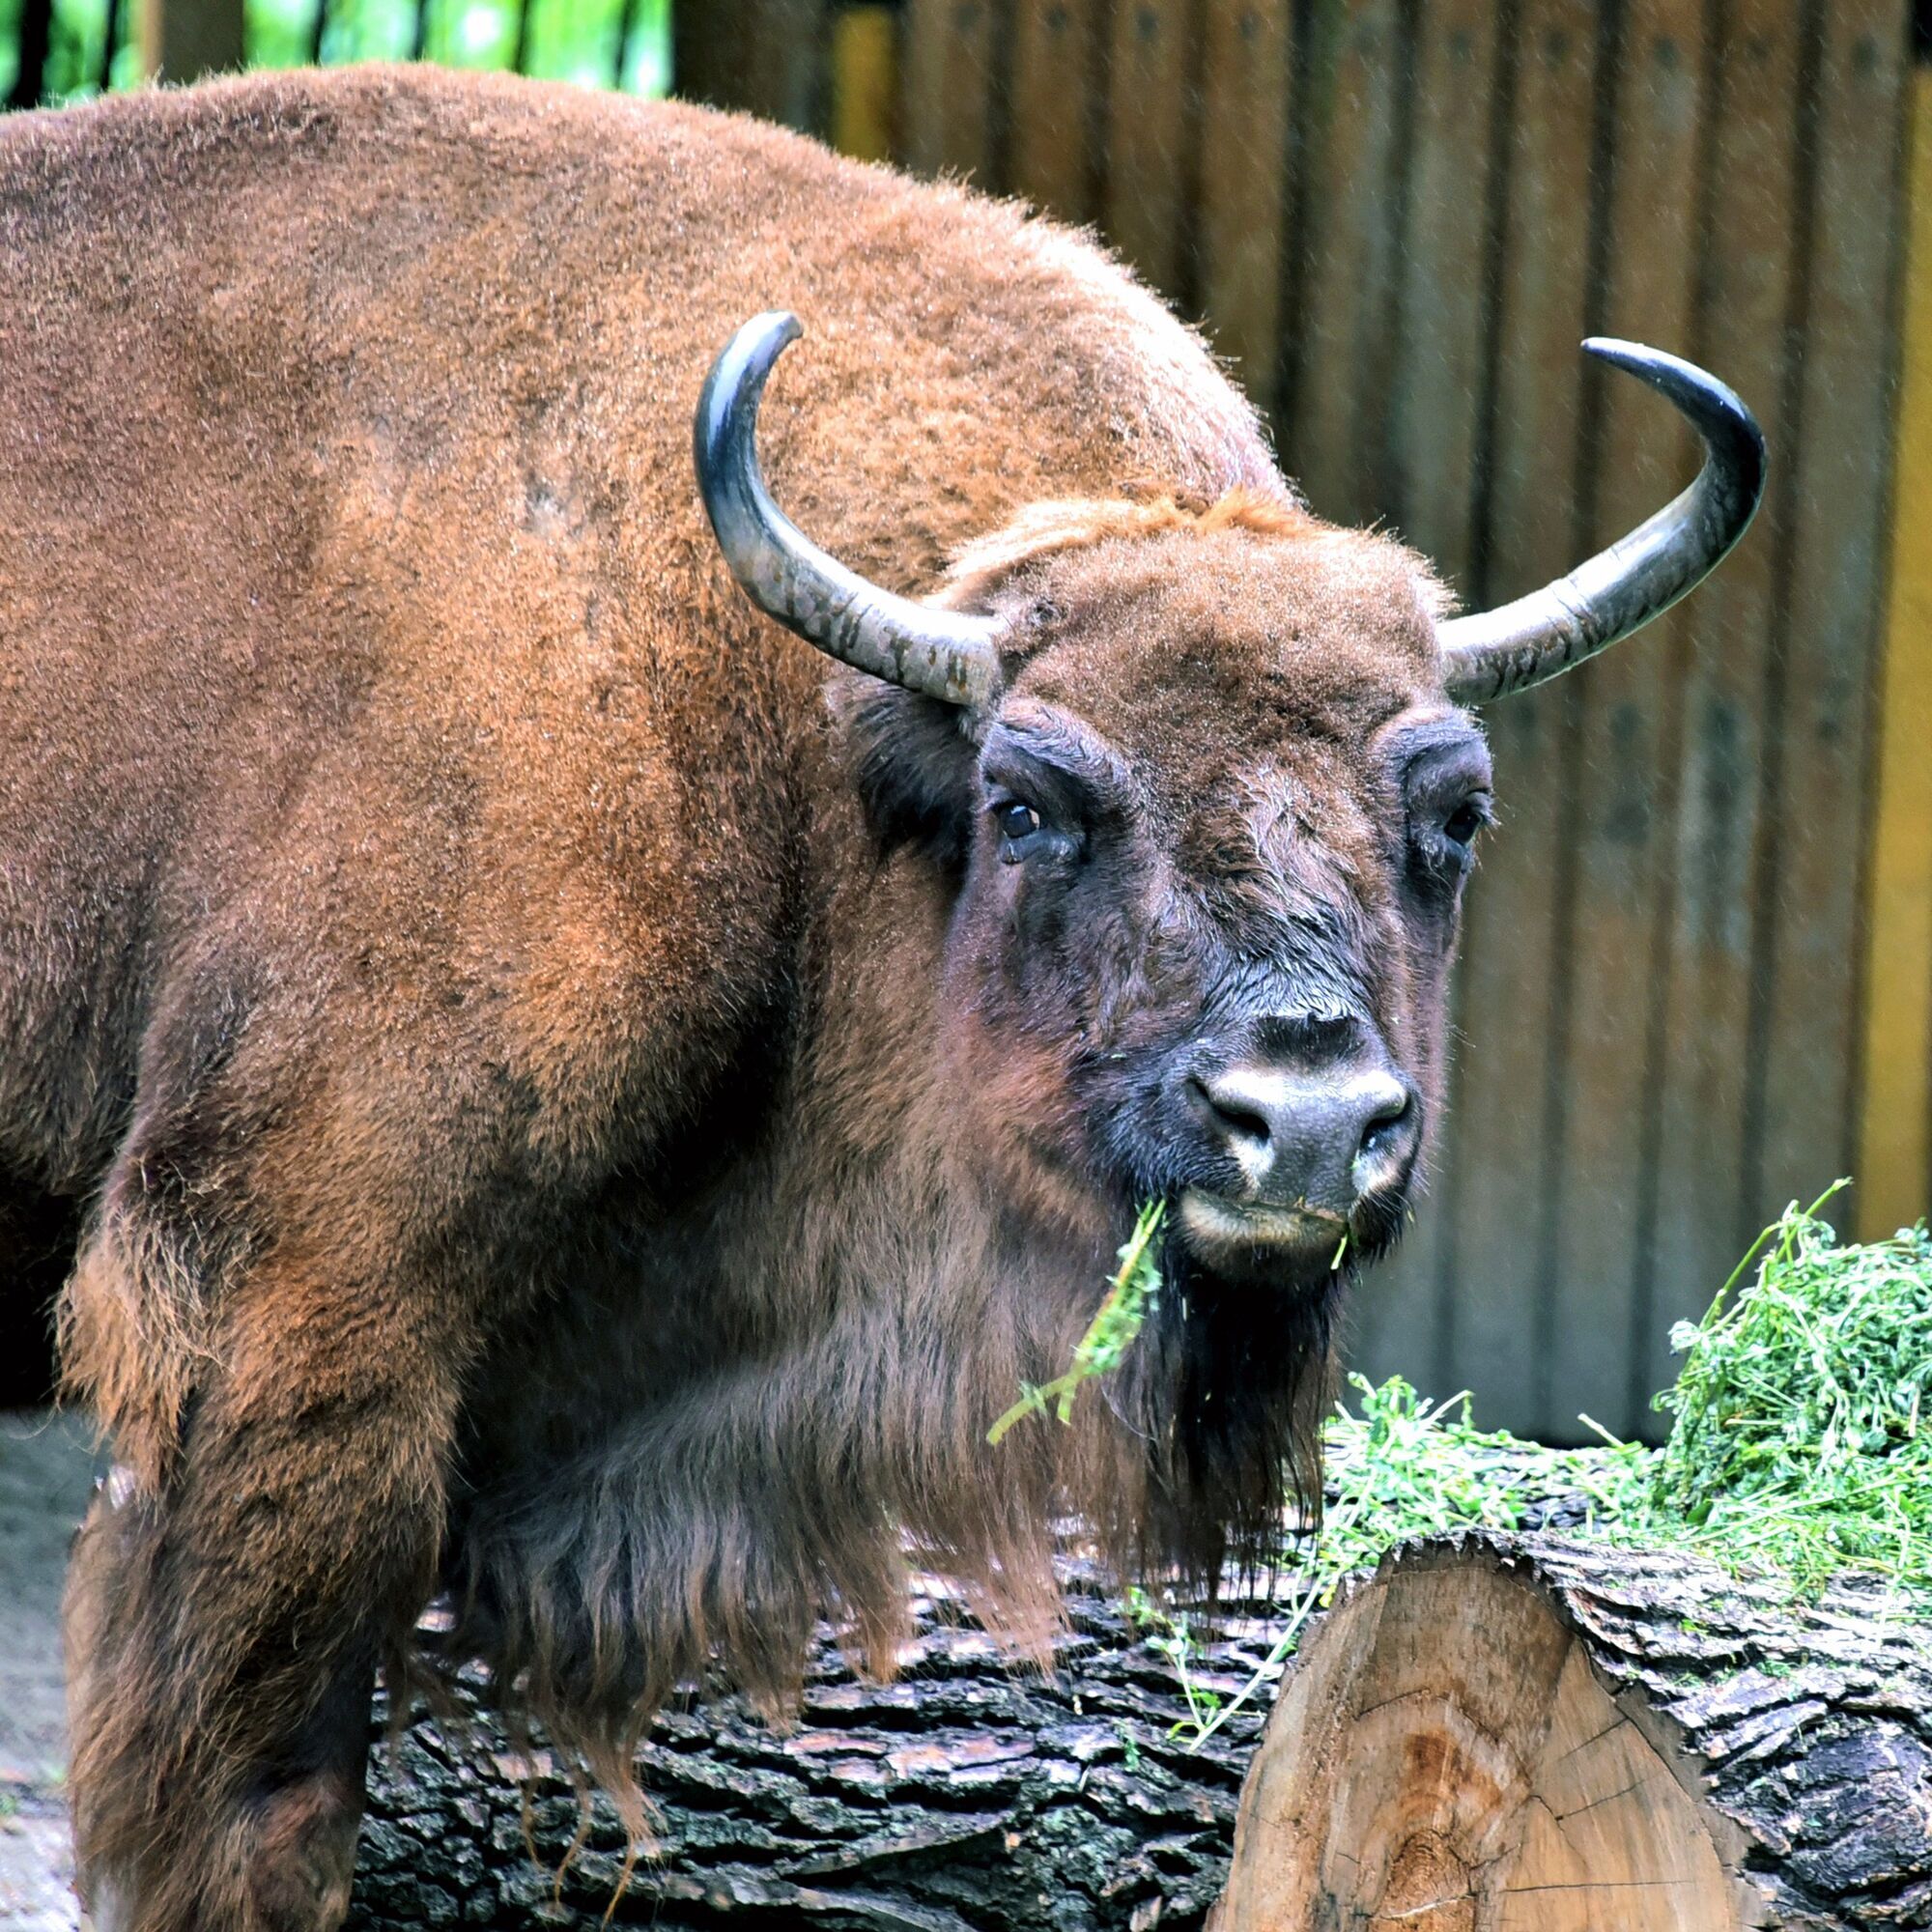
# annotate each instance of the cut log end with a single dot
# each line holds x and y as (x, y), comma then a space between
(1501, 1737)
(1447, 1760)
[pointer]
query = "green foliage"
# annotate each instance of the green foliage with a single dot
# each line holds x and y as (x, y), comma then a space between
(1798, 1449)
(1407, 1468)
(1117, 1321)
(568, 40)
(1170, 1633)
(1798, 1444)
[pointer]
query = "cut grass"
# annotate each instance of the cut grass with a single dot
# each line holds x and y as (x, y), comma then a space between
(1800, 1449)
(1404, 1467)
(1798, 1445)
(1130, 1298)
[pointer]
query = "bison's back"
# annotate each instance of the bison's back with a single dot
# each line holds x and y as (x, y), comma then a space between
(359, 618)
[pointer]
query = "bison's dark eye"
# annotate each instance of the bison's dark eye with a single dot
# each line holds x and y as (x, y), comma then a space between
(1028, 832)
(1462, 824)
(1017, 822)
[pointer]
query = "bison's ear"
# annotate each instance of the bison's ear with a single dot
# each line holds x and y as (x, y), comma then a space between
(916, 766)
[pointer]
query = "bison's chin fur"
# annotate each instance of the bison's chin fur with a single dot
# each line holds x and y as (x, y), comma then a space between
(838, 1439)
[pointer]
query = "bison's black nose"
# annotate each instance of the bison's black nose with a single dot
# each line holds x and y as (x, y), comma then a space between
(1319, 1139)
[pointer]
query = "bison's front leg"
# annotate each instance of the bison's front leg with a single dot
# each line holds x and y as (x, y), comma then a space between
(226, 1608)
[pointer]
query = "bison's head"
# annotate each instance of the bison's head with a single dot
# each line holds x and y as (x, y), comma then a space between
(1212, 835)
(1205, 781)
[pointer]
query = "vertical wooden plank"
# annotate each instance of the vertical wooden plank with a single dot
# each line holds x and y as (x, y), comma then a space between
(1348, 255)
(1248, 86)
(1746, 305)
(1149, 194)
(1894, 1162)
(1439, 360)
(1623, 793)
(864, 80)
(945, 111)
(181, 40)
(1057, 104)
(786, 73)
(1438, 381)
(1504, 1332)
(1805, 1039)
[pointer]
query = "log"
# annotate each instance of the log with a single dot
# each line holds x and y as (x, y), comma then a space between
(966, 1793)
(1535, 1735)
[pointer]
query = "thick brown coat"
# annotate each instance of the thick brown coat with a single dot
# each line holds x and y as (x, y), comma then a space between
(561, 1109)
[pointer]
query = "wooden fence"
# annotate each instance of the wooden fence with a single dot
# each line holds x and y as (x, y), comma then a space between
(1398, 218)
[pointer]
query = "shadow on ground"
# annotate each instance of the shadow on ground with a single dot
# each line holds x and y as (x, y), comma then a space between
(46, 1476)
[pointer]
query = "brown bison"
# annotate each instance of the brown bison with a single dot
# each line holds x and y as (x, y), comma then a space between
(581, 1102)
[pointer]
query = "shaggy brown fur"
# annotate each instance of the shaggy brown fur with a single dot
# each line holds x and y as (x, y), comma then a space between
(567, 1113)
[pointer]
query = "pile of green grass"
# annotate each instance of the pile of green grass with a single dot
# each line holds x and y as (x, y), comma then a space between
(1399, 1467)
(1801, 1443)
(1800, 1446)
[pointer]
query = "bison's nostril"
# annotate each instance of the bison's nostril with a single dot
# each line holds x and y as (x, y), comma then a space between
(1388, 1124)
(1225, 1111)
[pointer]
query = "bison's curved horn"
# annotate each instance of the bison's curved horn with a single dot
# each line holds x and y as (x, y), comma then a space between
(942, 653)
(1494, 652)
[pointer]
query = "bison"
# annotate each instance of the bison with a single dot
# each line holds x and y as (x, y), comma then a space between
(583, 1103)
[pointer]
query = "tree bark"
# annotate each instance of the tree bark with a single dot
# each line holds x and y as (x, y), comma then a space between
(968, 1794)
(1495, 1735)
(1489, 1735)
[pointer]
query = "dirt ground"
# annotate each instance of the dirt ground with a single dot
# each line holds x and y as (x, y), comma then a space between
(46, 1476)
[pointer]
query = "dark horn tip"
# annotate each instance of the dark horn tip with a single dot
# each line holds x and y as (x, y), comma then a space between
(1537, 637)
(737, 378)
(1722, 416)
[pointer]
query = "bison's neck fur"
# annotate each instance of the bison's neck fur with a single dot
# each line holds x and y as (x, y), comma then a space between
(771, 1401)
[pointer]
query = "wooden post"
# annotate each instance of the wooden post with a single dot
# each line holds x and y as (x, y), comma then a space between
(183, 39)
(1056, 120)
(1621, 798)
(1151, 87)
(1822, 717)
(1505, 1339)
(1894, 1168)
(950, 87)
(864, 80)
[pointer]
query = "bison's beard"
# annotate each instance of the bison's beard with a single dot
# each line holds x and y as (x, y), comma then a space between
(1225, 1394)
(644, 1507)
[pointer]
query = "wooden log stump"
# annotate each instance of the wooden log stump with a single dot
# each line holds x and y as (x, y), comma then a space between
(1498, 1735)
(968, 1794)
